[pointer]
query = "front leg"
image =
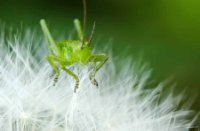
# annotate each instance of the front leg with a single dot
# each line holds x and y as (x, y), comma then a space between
(92, 76)
(74, 76)
(61, 62)
(101, 59)
(51, 60)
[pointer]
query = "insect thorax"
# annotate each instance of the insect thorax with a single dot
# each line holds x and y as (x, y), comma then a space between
(72, 52)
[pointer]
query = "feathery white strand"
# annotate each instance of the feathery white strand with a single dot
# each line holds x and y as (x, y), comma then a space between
(29, 102)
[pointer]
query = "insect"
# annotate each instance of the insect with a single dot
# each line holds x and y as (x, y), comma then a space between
(69, 52)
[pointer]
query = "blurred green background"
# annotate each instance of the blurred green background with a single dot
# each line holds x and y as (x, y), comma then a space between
(167, 32)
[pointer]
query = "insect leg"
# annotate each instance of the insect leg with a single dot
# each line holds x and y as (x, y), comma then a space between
(77, 25)
(51, 60)
(74, 76)
(101, 59)
(49, 37)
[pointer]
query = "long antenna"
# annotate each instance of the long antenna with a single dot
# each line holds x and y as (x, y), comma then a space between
(84, 20)
(92, 34)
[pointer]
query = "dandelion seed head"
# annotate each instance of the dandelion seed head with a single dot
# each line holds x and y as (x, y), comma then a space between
(29, 102)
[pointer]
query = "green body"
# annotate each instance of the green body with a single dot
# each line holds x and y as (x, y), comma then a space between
(69, 52)
(72, 53)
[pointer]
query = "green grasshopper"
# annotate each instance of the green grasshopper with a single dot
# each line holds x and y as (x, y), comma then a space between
(70, 52)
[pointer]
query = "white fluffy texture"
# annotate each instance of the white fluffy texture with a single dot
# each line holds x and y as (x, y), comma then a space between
(29, 102)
